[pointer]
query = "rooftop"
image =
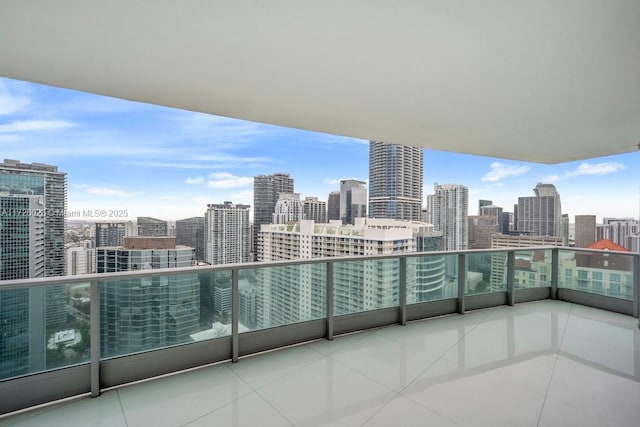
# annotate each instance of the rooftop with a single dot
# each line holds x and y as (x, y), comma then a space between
(539, 363)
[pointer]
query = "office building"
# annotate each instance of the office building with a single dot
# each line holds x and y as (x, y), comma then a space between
(314, 209)
(33, 200)
(333, 206)
(541, 215)
(288, 208)
(482, 203)
(109, 234)
(353, 200)
(266, 191)
(494, 211)
(152, 227)
(450, 212)
(190, 232)
(395, 181)
(226, 233)
(129, 320)
(585, 231)
(481, 229)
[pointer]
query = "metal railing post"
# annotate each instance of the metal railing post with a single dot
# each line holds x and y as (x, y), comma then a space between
(235, 308)
(462, 282)
(555, 269)
(329, 301)
(636, 286)
(94, 333)
(511, 273)
(403, 291)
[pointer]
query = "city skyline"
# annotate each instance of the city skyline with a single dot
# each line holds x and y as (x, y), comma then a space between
(150, 160)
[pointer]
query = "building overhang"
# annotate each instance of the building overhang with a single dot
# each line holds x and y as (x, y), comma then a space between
(538, 81)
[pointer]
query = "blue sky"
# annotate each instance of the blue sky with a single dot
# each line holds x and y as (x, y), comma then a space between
(168, 163)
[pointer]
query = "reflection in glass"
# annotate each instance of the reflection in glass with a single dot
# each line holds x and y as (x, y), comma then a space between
(43, 328)
(602, 273)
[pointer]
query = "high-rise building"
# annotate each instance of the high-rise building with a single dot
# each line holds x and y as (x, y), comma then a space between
(110, 234)
(333, 206)
(288, 208)
(266, 191)
(494, 211)
(353, 200)
(357, 285)
(315, 210)
(585, 230)
(395, 181)
(541, 215)
(152, 227)
(33, 201)
(129, 322)
(226, 233)
(482, 203)
(617, 229)
(450, 212)
(80, 261)
(190, 232)
(481, 229)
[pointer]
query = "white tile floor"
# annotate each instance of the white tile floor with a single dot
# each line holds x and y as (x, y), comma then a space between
(545, 363)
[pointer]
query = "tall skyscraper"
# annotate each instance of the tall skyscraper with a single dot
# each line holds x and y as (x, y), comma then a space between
(315, 210)
(541, 215)
(145, 313)
(190, 232)
(494, 211)
(333, 206)
(450, 212)
(617, 229)
(481, 228)
(152, 227)
(288, 208)
(482, 203)
(110, 234)
(227, 233)
(585, 230)
(33, 203)
(266, 191)
(353, 200)
(395, 181)
(80, 261)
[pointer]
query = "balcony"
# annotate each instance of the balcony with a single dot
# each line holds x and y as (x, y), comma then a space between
(476, 350)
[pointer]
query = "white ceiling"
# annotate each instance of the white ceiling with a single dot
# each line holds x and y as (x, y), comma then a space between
(544, 81)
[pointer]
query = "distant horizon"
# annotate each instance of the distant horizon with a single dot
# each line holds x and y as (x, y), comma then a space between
(169, 164)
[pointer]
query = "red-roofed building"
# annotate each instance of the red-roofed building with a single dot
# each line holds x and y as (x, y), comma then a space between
(607, 245)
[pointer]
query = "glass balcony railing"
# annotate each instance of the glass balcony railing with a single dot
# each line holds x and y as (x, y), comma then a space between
(127, 326)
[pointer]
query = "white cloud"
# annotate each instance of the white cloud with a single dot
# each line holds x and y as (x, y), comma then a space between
(103, 191)
(35, 125)
(500, 171)
(587, 169)
(596, 169)
(11, 102)
(196, 180)
(551, 178)
(225, 180)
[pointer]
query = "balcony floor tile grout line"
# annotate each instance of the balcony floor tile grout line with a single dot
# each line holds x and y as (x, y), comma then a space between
(555, 363)
(124, 414)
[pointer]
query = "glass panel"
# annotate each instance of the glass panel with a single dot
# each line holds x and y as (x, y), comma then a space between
(602, 273)
(43, 328)
(532, 269)
(365, 285)
(283, 295)
(152, 312)
(486, 273)
(432, 278)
